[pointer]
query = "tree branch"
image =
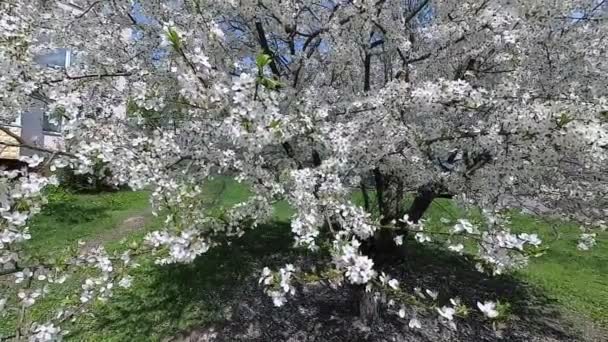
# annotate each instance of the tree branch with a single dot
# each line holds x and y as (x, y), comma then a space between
(266, 48)
(13, 135)
(87, 10)
(416, 11)
(81, 77)
(23, 144)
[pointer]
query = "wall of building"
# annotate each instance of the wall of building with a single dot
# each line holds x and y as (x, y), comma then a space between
(9, 152)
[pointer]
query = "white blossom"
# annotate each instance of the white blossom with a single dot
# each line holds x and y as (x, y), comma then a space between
(488, 309)
(446, 312)
(361, 270)
(414, 323)
(28, 298)
(586, 241)
(126, 282)
(46, 333)
(398, 240)
(464, 225)
(432, 294)
(422, 238)
(401, 312)
(480, 117)
(456, 248)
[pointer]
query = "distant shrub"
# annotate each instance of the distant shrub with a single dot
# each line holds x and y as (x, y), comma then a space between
(98, 181)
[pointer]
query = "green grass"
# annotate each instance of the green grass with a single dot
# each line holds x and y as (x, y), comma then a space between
(69, 218)
(167, 300)
(577, 280)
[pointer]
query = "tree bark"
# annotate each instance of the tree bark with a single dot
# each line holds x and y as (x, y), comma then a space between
(365, 196)
(367, 305)
(380, 187)
(422, 202)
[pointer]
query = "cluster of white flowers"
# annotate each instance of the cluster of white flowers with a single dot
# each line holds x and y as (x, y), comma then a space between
(488, 309)
(464, 225)
(501, 249)
(182, 248)
(447, 312)
(97, 287)
(278, 284)
(29, 298)
(305, 225)
(356, 220)
(46, 333)
(586, 241)
(20, 199)
(359, 269)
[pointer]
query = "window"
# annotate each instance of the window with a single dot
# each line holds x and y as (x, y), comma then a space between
(58, 59)
(51, 125)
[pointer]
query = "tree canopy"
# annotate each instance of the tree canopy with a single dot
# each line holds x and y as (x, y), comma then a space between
(496, 104)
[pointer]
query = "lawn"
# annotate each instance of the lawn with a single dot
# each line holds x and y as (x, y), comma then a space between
(578, 280)
(69, 218)
(66, 220)
(167, 300)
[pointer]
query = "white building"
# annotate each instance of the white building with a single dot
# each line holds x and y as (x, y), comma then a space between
(34, 126)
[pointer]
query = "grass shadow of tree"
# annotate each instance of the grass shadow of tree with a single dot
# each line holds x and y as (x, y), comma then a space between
(453, 275)
(189, 298)
(166, 300)
(74, 212)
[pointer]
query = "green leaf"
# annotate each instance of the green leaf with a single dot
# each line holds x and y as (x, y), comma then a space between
(274, 124)
(269, 83)
(247, 125)
(173, 38)
(563, 120)
(262, 60)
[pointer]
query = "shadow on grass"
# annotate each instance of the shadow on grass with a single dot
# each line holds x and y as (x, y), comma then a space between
(453, 275)
(217, 291)
(75, 212)
(166, 300)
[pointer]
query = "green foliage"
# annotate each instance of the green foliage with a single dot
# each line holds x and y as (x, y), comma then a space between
(504, 309)
(67, 218)
(97, 181)
(174, 38)
(261, 61)
(563, 120)
(269, 83)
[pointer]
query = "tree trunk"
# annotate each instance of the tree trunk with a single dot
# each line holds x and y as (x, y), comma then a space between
(367, 305)
(365, 196)
(421, 203)
(380, 187)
